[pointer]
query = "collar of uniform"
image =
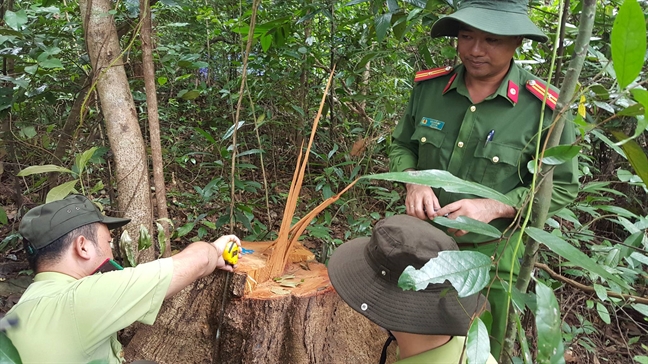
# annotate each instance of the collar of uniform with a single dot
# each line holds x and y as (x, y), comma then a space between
(510, 82)
(53, 276)
(456, 81)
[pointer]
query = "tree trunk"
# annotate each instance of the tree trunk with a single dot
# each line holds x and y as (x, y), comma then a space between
(118, 109)
(119, 112)
(154, 123)
(265, 323)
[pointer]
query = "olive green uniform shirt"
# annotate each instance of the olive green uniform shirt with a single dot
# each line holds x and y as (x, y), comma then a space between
(442, 129)
(449, 353)
(68, 320)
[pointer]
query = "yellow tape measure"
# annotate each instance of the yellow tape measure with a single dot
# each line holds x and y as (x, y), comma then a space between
(231, 253)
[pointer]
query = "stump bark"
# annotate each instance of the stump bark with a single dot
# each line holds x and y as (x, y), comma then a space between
(270, 322)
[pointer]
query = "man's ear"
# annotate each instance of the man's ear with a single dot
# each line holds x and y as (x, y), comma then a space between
(83, 247)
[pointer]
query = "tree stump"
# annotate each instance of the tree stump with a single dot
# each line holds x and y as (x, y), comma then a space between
(270, 322)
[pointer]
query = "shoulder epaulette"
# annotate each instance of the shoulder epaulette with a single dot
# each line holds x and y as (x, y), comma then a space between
(433, 73)
(538, 88)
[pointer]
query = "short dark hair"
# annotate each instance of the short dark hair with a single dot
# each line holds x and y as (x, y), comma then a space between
(53, 251)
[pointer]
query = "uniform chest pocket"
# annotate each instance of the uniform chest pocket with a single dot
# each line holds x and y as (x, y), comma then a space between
(429, 136)
(496, 166)
(429, 147)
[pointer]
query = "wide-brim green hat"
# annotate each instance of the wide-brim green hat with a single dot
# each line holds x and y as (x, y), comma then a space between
(504, 17)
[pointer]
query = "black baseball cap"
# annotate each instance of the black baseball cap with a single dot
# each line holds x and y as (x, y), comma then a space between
(43, 224)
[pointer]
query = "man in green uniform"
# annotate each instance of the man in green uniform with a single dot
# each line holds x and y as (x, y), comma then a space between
(72, 311)
(479, 121)
(429, 325)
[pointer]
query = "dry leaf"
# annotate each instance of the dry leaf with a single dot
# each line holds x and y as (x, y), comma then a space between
(358, 147)
(280, 291)
(289, 284)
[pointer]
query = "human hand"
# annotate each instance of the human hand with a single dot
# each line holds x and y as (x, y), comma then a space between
(421, 201)
(220, 245)
(481, 209)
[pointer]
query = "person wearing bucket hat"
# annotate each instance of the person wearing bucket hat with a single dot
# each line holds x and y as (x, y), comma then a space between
(80, 297)
(430, 325)
(479, 121)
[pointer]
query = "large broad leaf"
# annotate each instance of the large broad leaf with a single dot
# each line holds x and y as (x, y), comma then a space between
(383, 23)
(550, 344)
(445, 180)
(560, 154)
(3, 216)
(569, 252)
(15, 20)
(478, 343)
(42, 169)
(126, 247)
(609, 143)
(82, 159)
(467, 271)
(61, 191)
(468, 224)
(635, 155)
(8, 353)
(144, 239)
(628, 42)
(641, 96)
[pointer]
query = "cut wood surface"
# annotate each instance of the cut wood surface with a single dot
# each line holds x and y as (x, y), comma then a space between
(294, 318)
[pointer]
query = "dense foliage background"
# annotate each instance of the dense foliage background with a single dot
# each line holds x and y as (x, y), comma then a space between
(51, 115)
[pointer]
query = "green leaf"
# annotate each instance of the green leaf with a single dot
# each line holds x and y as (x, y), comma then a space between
(601, 292)
(230, 130)
(82, 159)
(641, 359)
(144, 240)
(266, 42)
(560, 154)
(477, 342)
(15, 20)
(571, 253)
(603, 312)
(467, 271)
(126, 246)
(471, 225)
(61, 191)
(550, 345)
(189, 95)
(162, 81)
(31, 69)
(8, 352)
(161, 237)
(51, 63)
(3, 216)
(641, 96)
(382, 23)
(442, 179)
(42, 169)
(185, 229)
(641, 308)
(628, 42)
(640, 257)
(635, 155)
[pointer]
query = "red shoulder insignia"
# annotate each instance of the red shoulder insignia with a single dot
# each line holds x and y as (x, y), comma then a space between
(433, 73)
(513, 90)
(538, 88)
(447, 86)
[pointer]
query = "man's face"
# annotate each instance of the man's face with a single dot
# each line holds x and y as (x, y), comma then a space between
(104, 249)
(485, 56)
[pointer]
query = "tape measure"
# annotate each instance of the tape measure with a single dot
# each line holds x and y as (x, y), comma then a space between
(231, 253)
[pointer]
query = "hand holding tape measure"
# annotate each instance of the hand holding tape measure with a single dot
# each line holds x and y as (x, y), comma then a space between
(230, 248)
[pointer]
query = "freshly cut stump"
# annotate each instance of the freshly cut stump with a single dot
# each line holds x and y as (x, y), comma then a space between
(295, 318)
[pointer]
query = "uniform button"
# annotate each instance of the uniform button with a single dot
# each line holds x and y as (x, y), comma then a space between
(531, 82)
(396, 122)
(495, 159)
(513, 92)
(423, 140)
(460, 144)
(473, 108)
(448, 68)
